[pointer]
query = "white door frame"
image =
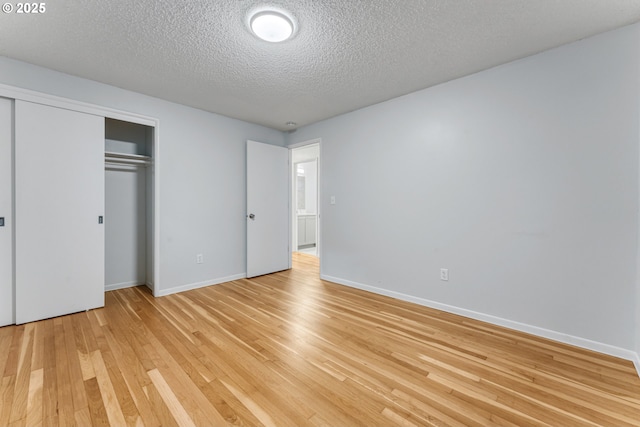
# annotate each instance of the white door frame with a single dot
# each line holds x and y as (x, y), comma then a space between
(293, 214)
(12, 92)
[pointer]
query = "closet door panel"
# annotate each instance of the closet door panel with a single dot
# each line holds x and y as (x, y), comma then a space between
(59, 175)
(6, 212)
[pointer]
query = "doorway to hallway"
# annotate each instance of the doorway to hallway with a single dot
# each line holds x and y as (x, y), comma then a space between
(305, 186)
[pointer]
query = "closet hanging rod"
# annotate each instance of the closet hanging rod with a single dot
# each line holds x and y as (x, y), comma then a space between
(119, 161)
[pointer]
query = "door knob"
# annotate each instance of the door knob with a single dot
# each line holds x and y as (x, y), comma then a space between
(252, 216)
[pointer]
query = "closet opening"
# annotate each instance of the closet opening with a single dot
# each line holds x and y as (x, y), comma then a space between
(129, 204)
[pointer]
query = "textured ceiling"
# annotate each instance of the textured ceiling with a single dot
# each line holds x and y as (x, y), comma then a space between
(346, 54)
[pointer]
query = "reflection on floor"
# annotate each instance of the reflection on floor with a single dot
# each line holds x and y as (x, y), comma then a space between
(309, 251)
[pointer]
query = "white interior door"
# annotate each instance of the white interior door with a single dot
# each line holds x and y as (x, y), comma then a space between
(267, 209)
(6, 212)
(59, 184)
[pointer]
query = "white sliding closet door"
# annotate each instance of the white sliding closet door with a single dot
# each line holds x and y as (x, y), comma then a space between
(59, 184)
(6, 212)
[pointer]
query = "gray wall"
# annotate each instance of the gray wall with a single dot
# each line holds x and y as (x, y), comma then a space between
(522, 180)
(202, 166)
(125, 226)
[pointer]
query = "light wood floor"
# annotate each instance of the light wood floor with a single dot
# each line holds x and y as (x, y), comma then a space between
(290, 350)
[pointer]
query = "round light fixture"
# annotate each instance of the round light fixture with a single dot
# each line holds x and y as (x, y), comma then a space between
(271, 26)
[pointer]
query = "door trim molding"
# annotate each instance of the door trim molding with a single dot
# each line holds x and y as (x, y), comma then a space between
(72, 104)
(304, 143)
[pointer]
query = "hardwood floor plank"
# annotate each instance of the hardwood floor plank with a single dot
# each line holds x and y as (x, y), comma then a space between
(160, 408)
(23, 376)
(12, 353)
(34, 399)
(82, 417)
(401, 420)
(177, 410)
(108, 393)
(5, 343)
(50, 376)
(76, 377)
(37, 355)
(428, 412)
(7, 388)
(97, 410)
(229, 406)
(64, 400)
(262, 415)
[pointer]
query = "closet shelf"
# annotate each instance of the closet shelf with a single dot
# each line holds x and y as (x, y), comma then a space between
(111, 157)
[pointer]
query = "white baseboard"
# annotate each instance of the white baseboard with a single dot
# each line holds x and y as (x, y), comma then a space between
(522, 327)
(122, 285)
(636, 362)
(188, 287)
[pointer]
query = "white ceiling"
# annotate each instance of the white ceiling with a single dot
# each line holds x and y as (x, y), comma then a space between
(346, 54)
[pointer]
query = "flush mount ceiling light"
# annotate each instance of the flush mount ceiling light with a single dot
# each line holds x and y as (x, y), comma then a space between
(271, 26)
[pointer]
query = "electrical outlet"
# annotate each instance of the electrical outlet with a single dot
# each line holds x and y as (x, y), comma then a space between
(444, 274)
(199, 259)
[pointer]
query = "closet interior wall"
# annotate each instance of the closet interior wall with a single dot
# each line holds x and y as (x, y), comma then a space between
(128, 204)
